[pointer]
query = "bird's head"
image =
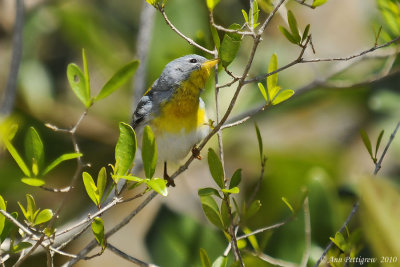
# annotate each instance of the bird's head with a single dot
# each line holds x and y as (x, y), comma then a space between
(193, 67)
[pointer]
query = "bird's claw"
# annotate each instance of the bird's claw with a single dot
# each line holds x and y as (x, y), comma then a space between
(196, 153)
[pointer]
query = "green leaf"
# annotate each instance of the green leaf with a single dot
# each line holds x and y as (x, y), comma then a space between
(208, 191)
(33, 181)
(130, 178)
(78, 84)
(86, 74)
(60, 159)
(293, 26)
(211, 4)
(378, 142)
(159, 185)
(246, 18)
(367, 142)
(215, 36)
(260, 142)
(282, 96)
(317, 3)
(98, 231)
(221, 261)
(226, 220)
(43, 216)
(125, 150)
(236, 178)
(8, 227)
(288, 35)
(24, 211)
(230, 46)
(256, 11)
(288, 204)
(157, 3)
(91, 188)
(2, 218)
(30, 207)
(211, 211)
(118, 79)
(233, 190)
(8, 129)
(340, 242)
(21, 246)
(101, 181)
(305, 33)
(391, 14)
(34, 150)
(215, 167)
(272, 80)
(18, 159)
(273, 92)
(149, 152)
(49, 231)
(251, 238)
(263, 92)
(253, 209)
(242, 243)
(205, 260)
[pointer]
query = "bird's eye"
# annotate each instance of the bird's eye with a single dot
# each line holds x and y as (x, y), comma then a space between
(193, 60)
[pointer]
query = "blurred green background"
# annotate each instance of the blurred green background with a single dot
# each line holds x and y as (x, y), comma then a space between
(312, 141)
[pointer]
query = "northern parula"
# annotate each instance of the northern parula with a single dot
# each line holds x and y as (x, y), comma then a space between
(172, 107)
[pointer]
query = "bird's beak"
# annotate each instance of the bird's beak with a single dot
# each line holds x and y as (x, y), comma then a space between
(210, 63)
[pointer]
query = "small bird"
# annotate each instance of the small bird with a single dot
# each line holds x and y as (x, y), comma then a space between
(172, 107)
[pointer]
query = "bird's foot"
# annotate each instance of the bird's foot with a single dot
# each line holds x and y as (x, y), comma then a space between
(196, 153)
(170, 182)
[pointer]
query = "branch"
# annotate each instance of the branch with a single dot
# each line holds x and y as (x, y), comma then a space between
(190, 41)
(11, 87)
(357, 204)
(300, 60)
(303, 2)
(91, 217)
(128, 257)
(269, 18)
(75, 177)
(258, 185)
(307, 232)
(18, 224)
(274, 261)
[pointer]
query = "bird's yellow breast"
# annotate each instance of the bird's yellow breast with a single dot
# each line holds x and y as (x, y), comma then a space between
(183, 110)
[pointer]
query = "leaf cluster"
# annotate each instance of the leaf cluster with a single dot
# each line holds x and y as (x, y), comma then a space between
(274, 93)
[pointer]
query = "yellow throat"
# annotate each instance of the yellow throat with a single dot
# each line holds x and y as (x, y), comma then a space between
(183, 110)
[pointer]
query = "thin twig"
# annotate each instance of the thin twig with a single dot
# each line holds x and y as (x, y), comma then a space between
(269, 18)
(307, 233)
(378, 165)
(129, 257)
(10, 91)
(274, 261)
(49, 258)
(91, 217)
(18, 224)
(303, 2)
(258, 185)
(77, 173)
(357, 204)
(190, 41)
(300, 60)
(56, 190)
(115, 229)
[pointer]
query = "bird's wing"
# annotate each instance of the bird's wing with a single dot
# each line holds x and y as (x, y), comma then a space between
(143, 111)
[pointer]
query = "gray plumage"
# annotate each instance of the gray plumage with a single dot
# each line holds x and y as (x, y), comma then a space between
(174, 73)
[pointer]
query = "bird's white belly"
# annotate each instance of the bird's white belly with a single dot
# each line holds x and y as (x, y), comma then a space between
(175, 146)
